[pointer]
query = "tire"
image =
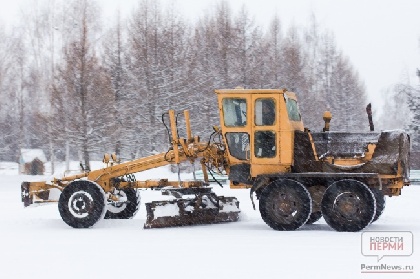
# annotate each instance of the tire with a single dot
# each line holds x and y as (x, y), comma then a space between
(316, 192)
(380, 203)
(82, 204)
(125, 210)
(285, 205)
(348, 205)
(315, 216)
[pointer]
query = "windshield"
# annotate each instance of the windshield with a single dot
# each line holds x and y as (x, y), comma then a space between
(292, 109)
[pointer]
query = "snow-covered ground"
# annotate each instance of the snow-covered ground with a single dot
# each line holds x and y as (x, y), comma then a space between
(38, 244)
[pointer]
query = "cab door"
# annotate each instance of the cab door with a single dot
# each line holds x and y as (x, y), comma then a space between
(236, 126)
(265, 129)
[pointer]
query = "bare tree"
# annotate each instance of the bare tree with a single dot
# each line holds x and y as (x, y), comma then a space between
(11, 105)
(88, 86)
(272, 54)
(245, 44)
(70, 85)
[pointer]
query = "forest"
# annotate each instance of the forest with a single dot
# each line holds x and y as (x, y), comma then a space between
(78, 86)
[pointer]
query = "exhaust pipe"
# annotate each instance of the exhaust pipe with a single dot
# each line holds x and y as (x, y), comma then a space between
(369, 113)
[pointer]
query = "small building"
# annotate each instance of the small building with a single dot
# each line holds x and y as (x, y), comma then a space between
(32, 161)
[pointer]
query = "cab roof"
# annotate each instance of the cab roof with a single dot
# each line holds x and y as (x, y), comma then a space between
(241, 90)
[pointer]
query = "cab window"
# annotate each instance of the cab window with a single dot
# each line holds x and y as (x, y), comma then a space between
(238, 144)
(265, 112)
(292, 109)
(265, 144)
(234, 112)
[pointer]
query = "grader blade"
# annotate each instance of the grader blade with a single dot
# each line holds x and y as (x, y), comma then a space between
(205, 208)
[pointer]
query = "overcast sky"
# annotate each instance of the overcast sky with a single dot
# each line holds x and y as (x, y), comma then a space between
(381, 37)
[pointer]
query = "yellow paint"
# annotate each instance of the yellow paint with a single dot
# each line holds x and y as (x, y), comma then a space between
(192, 148)
(283, 128)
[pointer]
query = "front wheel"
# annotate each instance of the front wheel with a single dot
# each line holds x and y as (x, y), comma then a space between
(126, 207)
(82, 204)
(285, 205)
(348, 205)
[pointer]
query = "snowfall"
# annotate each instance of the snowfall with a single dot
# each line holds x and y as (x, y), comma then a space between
(38, 244)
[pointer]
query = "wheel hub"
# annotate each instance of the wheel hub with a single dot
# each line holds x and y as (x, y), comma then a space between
(286, 208)
(284, 205)
(347, 204)
(120, 202)
(80, 204)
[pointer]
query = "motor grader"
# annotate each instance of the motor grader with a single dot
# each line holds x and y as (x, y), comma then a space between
(297, 175)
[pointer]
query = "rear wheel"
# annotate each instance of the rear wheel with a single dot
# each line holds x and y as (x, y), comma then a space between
(126, 207)
(348, 205)
(285, 205)
(82, 204)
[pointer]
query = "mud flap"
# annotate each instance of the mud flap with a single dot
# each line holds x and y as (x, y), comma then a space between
(206, 208)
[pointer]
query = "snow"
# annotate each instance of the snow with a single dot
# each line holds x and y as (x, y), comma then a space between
(169, 209)
(9, 168)
(28, 155)
(38, 244)
(230, 207)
